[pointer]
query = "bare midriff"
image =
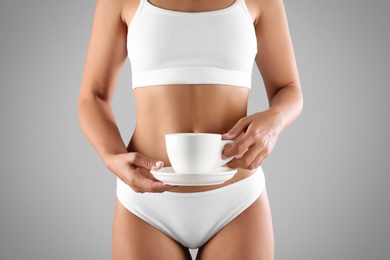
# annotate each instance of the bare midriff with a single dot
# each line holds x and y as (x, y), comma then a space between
(185, 109)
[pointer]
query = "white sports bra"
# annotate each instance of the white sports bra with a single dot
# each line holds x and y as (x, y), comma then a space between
(172, 47)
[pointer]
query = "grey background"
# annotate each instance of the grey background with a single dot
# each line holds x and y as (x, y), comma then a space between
(327, 177)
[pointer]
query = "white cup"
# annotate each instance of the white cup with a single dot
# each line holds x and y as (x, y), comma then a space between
(196, 152)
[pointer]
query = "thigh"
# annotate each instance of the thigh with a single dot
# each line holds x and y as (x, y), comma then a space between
(133, 238)
(249, 236)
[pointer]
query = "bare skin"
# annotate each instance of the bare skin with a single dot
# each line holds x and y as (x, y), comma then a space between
(190, 108)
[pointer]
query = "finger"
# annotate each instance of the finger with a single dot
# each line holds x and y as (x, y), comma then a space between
(258, 161)
(233, 164)
(237, 129)
(248, 157)
(241, 144)
(145, 184)
(267, 147)
(250, 160)
(144, 162)
(159, 186)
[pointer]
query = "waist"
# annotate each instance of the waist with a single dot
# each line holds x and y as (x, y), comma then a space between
(185, 109)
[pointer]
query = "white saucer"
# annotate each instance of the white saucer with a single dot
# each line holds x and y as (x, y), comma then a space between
(217, 176)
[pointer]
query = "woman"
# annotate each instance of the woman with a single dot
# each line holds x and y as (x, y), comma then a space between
(191, 70)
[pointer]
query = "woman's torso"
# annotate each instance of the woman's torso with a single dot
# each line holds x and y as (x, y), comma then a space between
(197, 108)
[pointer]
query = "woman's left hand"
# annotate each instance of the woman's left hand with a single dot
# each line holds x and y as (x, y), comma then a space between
(254, 139)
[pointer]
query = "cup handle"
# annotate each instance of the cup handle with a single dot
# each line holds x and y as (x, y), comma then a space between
(224, 161)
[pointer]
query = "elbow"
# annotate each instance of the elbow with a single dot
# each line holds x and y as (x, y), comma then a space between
(87, 99)
(85, 102)
(297, 96)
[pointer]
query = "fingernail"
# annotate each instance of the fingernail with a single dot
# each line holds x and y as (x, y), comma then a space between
(158, 164)
(228, 135)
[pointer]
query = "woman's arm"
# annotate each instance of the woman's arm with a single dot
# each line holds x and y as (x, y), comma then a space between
(105, 58)
(256, 135)
(276, 61)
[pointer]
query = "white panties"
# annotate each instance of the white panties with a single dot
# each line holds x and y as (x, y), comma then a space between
(193, 218)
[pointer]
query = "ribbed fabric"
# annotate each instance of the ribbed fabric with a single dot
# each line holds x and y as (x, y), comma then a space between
(171, 47)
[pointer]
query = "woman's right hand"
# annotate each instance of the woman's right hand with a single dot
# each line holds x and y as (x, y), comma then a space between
(134, 170)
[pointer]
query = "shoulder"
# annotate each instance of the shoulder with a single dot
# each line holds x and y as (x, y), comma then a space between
(257, 8)
(121, 9)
